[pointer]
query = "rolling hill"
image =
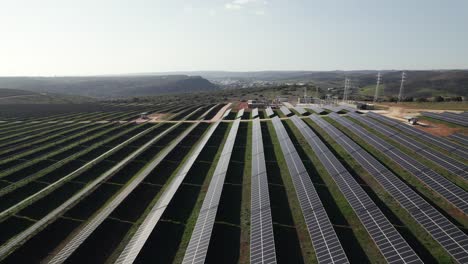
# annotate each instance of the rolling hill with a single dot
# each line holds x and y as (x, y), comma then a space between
(15, 96)
(110, 86)
(419, 83)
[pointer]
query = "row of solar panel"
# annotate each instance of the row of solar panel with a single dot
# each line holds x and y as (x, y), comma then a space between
(448, 117)
(138, 240)
(79, 239)
(316, 109)
(424, 136)
(262, 243)
(390, 243)
(454, 166)
(324, 239)
(438, 226)
(200, 239)
(460, 138)
(452, 193)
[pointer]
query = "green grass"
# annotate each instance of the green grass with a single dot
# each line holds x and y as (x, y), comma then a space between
(279, 113)
(369, 90)
(417, 230)
(307, 249)
(359, 230)
(403, 174)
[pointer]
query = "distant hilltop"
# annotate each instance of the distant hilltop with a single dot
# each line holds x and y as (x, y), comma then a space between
(110, 86)
(419, 83)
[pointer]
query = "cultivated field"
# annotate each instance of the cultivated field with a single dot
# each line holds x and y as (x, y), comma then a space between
(194, 183)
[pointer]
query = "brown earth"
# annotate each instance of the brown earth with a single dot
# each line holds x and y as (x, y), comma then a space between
(437, 129)
(400, 112)
(220, 113)
(241, 105)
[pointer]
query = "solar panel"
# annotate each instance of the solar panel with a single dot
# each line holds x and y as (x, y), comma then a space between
(91, 225)
(438, 226)
(324, 239)
(390, 243)
(439, 184)
(461, 116)
(254, 112)
(138, 240)
(460, 138)
(316, 109)
(333, 108)
(459, 120)
(453, 148)
(269, 112)
(262, 244)
(227, 113)
(285, 111)
(14, 242)
(451, 165)
(240, 113)
(300, 110)
(200, 240)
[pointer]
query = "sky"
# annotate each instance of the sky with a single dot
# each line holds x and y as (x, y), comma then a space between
(92, 37)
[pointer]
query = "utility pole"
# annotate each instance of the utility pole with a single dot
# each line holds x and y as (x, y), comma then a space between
(345, 89)
(305, 95)
(400, 94)
(376, 95)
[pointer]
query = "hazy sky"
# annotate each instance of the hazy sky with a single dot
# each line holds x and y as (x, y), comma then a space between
(82, 37)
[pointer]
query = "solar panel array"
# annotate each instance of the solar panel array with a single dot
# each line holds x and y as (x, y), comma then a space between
(269, 112)
(300, 110)
(460, 138)
(12, 243)
(262, 242)
(77, 240)
(240, 113)
(324, 239)
(390, 243)
(445, 144)
(285, 111)
(451, 238)
(200, 240)
(254, 112)
(138, 240)
(438, 184)
(448, 117)
(454, 166)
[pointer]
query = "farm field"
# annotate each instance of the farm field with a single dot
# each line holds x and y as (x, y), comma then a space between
(115, 182)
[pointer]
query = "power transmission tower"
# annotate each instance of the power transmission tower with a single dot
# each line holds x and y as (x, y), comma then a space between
(346, 90)
(400, 94)
(376, 95)
(305, 95)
